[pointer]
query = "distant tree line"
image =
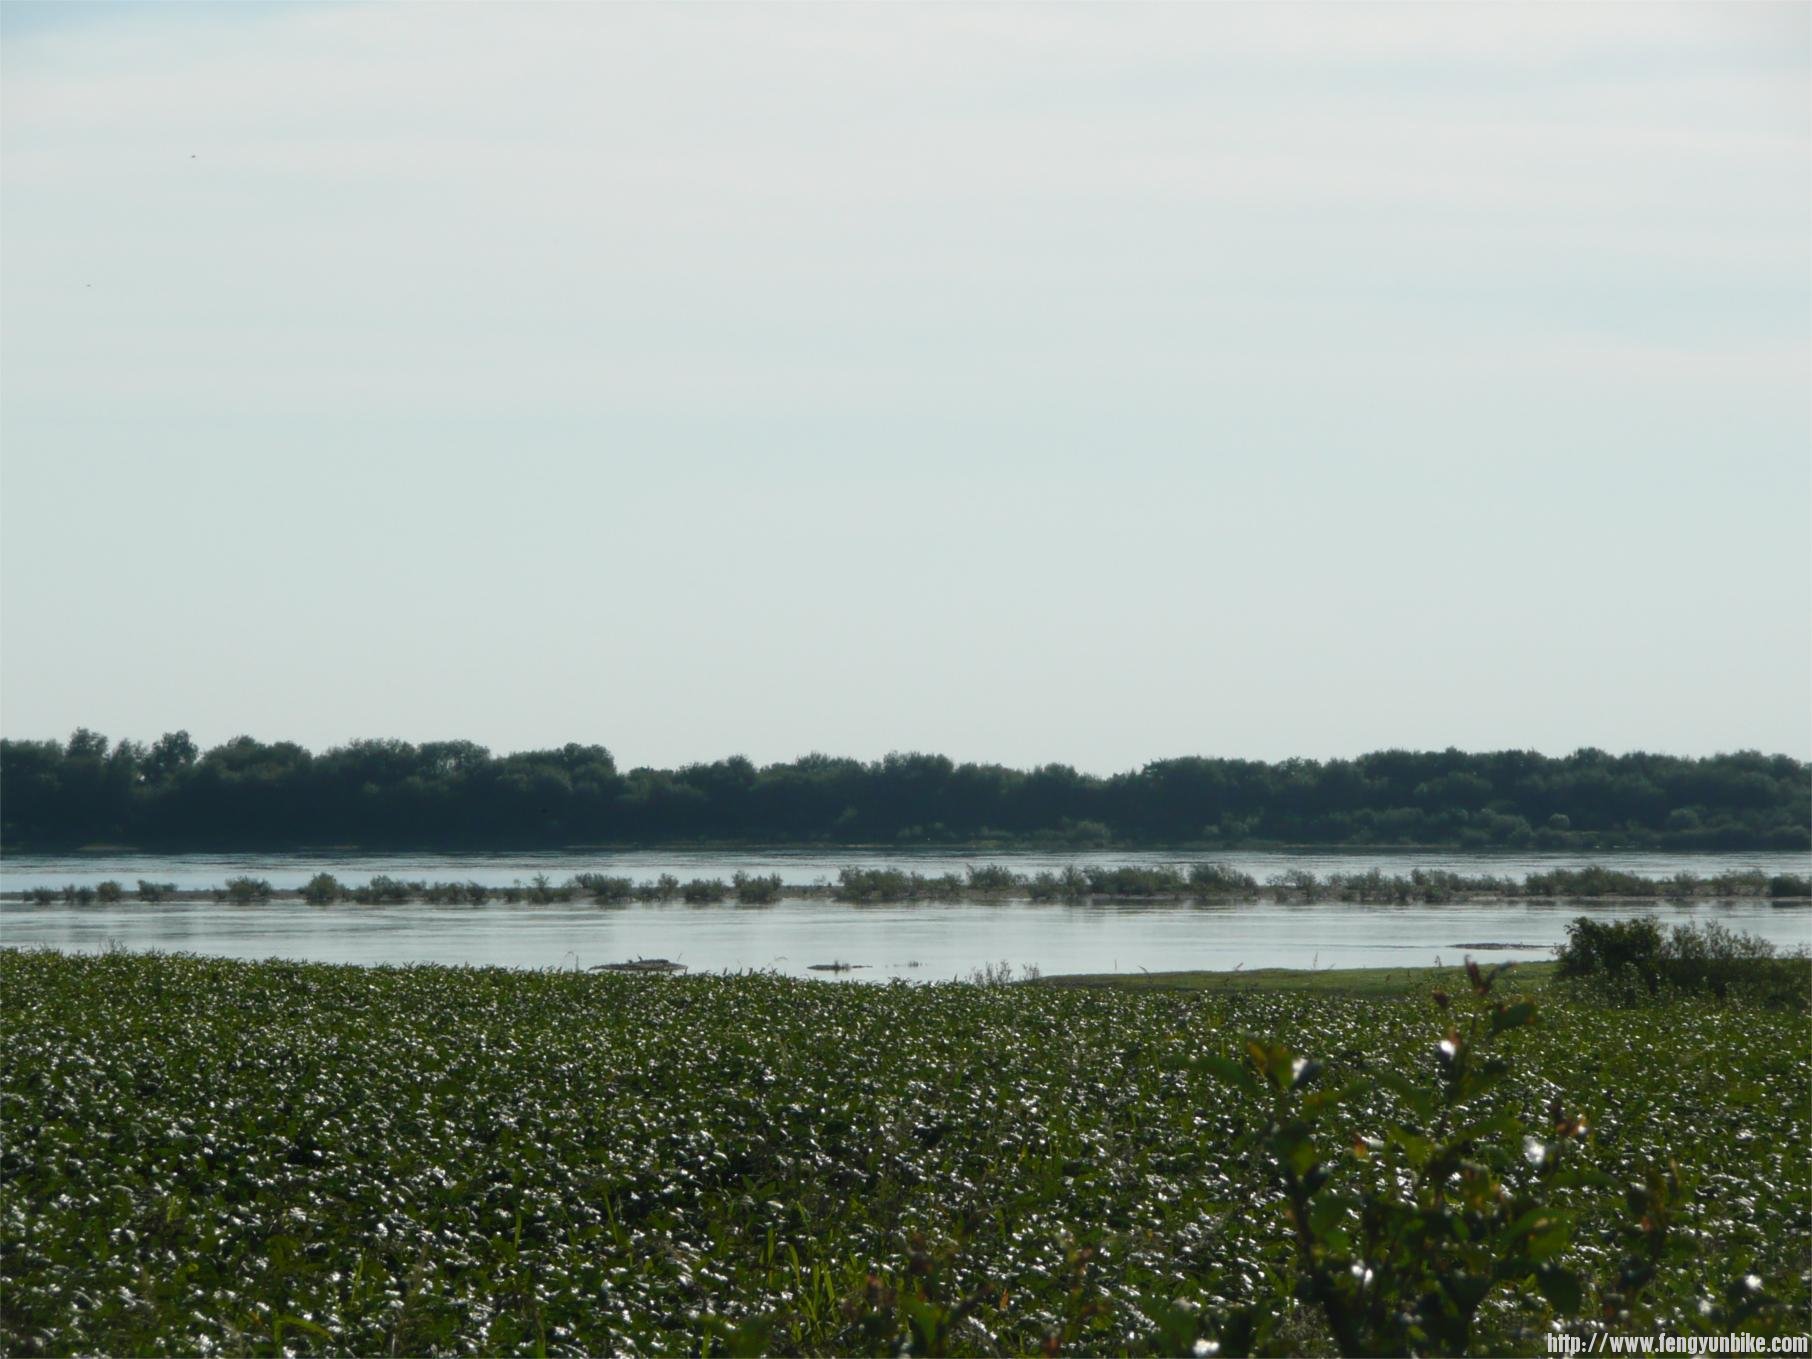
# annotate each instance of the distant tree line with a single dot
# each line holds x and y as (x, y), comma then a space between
(249, 794)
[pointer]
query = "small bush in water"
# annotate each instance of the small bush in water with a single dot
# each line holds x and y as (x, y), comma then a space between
(321, 890)
(756, 890)
(243, 890)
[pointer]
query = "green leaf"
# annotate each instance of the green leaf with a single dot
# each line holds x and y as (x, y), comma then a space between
(1327, 1213)
(1512, 1016)
(1234, 1073)
(1421, 1101)
(1416, 1149)
(288, 1321)
(1317, 1100)
(1292, 1145)
(1538, 1233)
(1561, 1288)
(1481, 1077)
(1499, 1125)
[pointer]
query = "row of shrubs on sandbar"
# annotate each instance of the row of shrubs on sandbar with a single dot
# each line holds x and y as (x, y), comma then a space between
(1196, 882)
(325, 889)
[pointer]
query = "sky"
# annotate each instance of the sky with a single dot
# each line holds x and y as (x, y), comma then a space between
(1026, 383)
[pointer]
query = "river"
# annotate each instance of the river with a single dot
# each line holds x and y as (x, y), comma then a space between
(918, 941)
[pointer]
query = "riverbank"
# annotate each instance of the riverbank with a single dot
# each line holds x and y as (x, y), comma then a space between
(1376, 982)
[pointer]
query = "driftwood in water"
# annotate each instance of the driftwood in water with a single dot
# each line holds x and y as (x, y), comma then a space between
(640, 965)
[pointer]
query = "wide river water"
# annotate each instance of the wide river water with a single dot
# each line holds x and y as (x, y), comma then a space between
(919, 941)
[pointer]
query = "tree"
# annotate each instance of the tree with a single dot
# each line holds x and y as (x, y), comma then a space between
(86, 745)
(171, 753)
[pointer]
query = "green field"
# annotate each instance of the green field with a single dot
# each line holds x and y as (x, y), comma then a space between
(207, 1157)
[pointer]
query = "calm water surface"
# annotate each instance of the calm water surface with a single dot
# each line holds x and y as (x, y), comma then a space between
(924, 941)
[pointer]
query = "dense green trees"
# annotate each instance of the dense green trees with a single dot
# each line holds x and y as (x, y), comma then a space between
(250, 794)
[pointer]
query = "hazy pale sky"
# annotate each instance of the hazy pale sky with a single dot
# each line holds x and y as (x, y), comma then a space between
(1026, 383)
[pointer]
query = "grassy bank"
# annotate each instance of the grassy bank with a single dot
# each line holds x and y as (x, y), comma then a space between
(208, 1157)
(1388, 982)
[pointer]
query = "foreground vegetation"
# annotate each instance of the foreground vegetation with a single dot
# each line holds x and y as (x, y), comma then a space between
(216, 1157)
(250, 795)
(1196, 882)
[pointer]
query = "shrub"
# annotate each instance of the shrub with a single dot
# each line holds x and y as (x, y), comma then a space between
(701, 890)
(1790, 885)
(1620, 956)
(1400, 1239)
(944, 887)
(541, 890)
(108, 892)
(155, 891)
(1612, 946)
(1159, 881)
(993, 878)
(1372, 885)
(321, 890)
(1296, 880)
(1591, 881)
(1748, 882)
(1219, 880)
(879, 884)
(382, 891)
(605, 888)
(242, 891)
(756, 891)
(1436, 885)
(992, 974)
(664, 888)
(1731, 964)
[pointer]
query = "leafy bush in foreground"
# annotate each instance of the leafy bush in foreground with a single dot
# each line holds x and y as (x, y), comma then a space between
(1627, 958)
